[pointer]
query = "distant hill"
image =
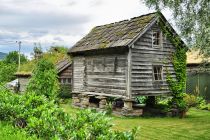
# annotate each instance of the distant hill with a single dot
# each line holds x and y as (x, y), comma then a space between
(2, 55)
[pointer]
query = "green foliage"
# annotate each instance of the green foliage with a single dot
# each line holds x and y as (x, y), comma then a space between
(13, 57)
(141, 99)
(46, 120)
(51, 55)
(7, 71)
(191, 100)
(44, 80)
(8, 132)
(196, 101)
(8, 66)
(65, 92)
(58, 49)
(192, 19)
(176, 85)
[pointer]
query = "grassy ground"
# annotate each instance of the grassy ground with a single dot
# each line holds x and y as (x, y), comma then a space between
(196, 126)
(8, 132)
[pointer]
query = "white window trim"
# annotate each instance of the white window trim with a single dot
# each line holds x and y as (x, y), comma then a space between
(160, 46)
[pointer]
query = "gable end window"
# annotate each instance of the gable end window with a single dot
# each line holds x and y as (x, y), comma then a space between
(157, 73)
(156, 39)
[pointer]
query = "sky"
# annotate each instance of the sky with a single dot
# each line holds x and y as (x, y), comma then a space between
(59, 22)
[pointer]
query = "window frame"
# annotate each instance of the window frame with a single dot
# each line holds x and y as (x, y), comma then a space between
(160, 39)
(161, 73)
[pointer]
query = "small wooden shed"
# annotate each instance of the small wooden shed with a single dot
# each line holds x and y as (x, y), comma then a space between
(124, 59)
(198, 74)
(63, 67)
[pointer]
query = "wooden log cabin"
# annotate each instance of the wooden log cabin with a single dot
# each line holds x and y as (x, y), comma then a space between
(124, 59)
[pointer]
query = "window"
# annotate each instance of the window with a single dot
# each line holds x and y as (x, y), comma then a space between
(157, 73)
(69, 80)
(156, 39)
(64, 81)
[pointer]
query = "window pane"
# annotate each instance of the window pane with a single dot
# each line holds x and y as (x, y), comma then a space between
(157, 72)
(156, 38)
(69, 80)
(64, 80)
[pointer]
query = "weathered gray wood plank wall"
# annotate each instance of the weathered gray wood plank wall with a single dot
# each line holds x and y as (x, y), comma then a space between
(144, 56)
(101, 74)
(78, 74)
(106, 74)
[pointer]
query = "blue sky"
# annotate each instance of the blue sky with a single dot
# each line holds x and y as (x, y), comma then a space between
(59, 22)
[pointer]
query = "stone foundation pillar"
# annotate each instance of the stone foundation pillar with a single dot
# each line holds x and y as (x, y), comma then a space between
(75, 100)
(128, 104)
(128, 107)
(103, 102)
(84, 100)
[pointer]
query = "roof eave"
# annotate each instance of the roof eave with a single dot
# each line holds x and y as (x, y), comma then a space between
(143, 32)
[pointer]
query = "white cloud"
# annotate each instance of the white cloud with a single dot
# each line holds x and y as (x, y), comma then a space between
(60, 22)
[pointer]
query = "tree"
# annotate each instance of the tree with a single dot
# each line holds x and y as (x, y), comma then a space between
(8, 66)
(37, 51)
(13, 57)
(7, 71)
(192, 19)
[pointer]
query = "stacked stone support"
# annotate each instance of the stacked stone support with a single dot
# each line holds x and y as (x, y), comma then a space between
(84, 100)
(103, 102)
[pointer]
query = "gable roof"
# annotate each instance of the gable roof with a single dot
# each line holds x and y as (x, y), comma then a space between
(116, 34)
(60, 66)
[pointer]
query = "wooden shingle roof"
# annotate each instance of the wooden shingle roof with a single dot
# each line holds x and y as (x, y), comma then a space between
(194, 57)
(113, 35)
(60, 66)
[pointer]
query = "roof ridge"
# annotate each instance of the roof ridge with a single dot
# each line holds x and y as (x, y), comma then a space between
(125, 20)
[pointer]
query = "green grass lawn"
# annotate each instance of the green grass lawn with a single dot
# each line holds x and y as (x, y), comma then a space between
(196, 126)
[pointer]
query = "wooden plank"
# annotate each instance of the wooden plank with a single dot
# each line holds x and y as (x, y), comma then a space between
(103, 94)
(129, 62)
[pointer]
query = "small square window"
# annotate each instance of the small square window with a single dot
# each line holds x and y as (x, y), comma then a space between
(156, 39)
(69, 80)
(157, 73)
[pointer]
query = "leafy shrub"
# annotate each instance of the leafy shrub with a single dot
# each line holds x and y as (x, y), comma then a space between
(44, 80)
(45, 119)
(191, 100)
(64, 92)
(141, 99)
(7, 71)
(196, 101)
(8, 132)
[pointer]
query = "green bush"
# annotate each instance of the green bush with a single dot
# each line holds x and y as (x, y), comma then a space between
(45, 119)
(44, 80)
(64, 92)
(141, 99)
(208, 107)
(8, 132)
(191, 100)
(196, 101)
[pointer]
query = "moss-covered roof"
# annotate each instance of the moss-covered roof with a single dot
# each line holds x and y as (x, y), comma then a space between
(114, 34)
(55, 57)
(194, 57)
